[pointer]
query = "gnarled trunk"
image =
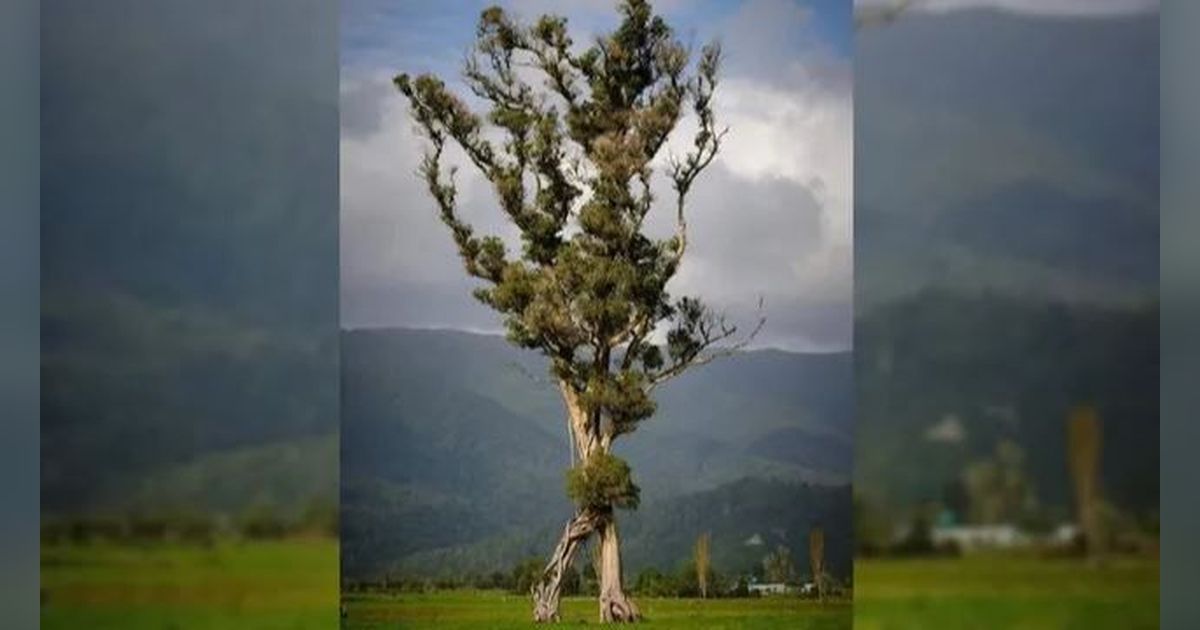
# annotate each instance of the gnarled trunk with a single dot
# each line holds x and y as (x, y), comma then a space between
(547, 592)
(615, 605)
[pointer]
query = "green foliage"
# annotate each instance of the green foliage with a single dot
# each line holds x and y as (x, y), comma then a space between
(526, 574)
(320, 517)
(654, 583)
(998, 488)
(603, 480)
(186, 526)
(572, 583)
(686, 582)
(778, 565)
(261, 522)
(573, 173)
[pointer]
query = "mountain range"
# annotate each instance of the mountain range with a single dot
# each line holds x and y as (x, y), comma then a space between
(454, 452)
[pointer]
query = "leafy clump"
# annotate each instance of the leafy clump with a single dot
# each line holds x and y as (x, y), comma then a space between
(603, 480)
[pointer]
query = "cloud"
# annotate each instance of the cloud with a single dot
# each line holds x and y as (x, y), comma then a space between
(771, 217)
(1026, 162)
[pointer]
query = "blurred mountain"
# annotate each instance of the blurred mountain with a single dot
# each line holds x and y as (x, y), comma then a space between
(134, 394)
(1007, 152)
(189, 253)
(942, 377)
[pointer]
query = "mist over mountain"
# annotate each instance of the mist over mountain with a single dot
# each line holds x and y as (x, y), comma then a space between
(189, 215)
(1006, 250)
(1007, 152)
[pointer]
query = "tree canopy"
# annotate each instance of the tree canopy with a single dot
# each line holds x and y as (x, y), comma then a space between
(571, 165)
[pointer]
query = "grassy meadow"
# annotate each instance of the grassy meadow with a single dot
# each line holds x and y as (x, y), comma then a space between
(266, 585)
(490, 609)
(292, 584)
(1018, 593)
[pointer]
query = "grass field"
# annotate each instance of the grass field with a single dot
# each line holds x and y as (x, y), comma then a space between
(489, 609)
(1006, 592)
(292, 585)
(285, 585)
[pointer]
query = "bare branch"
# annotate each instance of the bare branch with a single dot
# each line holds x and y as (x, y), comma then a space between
(707, 143)
(711, 333)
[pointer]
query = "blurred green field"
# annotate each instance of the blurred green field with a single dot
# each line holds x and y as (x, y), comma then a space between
(1006, 592)
(293, 585)
(490, 609)
(276, 585)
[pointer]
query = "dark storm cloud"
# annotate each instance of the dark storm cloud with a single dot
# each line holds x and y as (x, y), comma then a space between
(1041, 133)
(189, 152)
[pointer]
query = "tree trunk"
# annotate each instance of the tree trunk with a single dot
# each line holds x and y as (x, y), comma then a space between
(547, 592)
(615, 606)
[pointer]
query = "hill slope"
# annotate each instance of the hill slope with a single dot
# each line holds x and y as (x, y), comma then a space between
(996, 368)
(453, 452)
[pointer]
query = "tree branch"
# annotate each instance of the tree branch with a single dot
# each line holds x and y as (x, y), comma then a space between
(702, 347)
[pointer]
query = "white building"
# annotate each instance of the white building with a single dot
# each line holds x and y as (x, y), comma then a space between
(773, 588)
(972, 537)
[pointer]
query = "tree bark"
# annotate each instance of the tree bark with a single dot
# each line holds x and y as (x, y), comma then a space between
(615, 606)
(548, 591)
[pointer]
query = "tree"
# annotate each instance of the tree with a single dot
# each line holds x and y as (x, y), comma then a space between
(777, 566)
(1083, 453)
(816, 559)
(570, 163)
(998, 490)
(525, 574)
(703, 563)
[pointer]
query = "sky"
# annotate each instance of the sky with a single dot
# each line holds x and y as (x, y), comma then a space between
(1000, 145)
(770, 218)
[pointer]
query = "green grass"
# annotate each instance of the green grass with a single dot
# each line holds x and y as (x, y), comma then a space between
(284, 585)
(1004, 592)
(490, 609)
(292, 585)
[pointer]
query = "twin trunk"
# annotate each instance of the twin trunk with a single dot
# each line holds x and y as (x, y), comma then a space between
(615, 606)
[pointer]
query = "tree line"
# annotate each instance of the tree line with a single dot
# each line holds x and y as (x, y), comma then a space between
(696, 577)
(256, 522)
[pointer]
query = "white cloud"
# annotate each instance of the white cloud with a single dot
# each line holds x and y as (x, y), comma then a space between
(771, 217)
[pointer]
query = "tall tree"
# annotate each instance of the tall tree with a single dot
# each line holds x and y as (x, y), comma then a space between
(703, 563)
(1083, 454)
(777, 565)
(570, 162)
(816, 559)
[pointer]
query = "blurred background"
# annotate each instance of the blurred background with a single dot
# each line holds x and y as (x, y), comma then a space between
(1006, 330)
(189, 314)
